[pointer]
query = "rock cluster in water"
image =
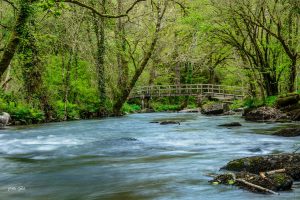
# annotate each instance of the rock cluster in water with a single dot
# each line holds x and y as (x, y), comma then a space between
(264, 174)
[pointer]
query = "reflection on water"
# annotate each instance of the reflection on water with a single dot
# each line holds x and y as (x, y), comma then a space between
(131, 158)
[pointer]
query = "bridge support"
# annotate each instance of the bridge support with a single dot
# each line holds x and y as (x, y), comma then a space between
(145, 102)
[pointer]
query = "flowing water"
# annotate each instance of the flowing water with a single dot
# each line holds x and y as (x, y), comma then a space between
(130, 158)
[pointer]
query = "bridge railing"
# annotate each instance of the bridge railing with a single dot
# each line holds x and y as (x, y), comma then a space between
(188, 90)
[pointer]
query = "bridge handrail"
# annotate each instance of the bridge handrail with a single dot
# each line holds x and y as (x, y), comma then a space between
(185, 89)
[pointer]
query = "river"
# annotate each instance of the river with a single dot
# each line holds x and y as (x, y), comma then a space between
(130, 158)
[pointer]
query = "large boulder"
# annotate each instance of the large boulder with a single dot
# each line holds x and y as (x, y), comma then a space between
(288, 100)
(264, 114)
(4, 119)
(289, 162)
(214, 108)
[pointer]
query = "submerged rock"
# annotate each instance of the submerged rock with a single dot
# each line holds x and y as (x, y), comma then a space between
(232, 124)
(128, 139)
(169, 122)
(288, 132)
(264, 114)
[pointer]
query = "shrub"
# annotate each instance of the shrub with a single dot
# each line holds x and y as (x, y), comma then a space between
(130, 108)
(22, 112)
(158, 107)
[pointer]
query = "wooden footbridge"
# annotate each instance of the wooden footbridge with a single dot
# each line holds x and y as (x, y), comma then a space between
(220, 92)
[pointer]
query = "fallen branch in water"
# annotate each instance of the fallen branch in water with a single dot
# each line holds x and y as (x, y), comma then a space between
(275, 171)
(256, 186)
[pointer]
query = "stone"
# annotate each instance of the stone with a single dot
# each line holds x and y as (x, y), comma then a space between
(231, 124)
(4, 119)
(266, 163)
(213, 109)
(169, 122)
(288, 132)
(264, 114)
(294, 115)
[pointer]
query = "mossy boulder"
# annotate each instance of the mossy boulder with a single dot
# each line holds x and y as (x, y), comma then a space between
(257, 164)
(288, 100)
(213, 109)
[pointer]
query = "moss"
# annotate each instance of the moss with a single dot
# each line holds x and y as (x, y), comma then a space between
(235, 165)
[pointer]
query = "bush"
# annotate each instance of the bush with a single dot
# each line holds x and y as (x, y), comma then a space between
(130, 108)
(271, 101)
(72, 111)
(237, 104)
(21, 112)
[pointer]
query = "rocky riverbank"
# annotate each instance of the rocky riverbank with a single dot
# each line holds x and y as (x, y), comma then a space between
(287, 108)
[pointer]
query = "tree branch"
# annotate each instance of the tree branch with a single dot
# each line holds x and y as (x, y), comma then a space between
(11, 3)
(98, 13)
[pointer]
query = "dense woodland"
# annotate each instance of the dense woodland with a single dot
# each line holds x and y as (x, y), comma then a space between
(71, 59)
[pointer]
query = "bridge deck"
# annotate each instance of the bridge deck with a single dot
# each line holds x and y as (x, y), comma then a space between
(220, 92)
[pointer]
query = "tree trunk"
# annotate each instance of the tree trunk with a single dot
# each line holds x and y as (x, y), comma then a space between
(100, 37)
(17, 31)
(67, 84)
(293, 73)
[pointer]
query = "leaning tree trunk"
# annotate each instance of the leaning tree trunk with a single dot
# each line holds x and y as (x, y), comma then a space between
(17, 31)
(292, 77)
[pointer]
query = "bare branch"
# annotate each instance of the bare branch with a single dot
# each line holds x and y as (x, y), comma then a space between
(98, 13)
(11, 3)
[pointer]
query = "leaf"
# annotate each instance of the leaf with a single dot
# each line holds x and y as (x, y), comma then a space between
(231, 182)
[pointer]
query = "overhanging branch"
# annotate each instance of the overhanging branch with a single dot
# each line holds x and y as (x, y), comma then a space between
(98, 13)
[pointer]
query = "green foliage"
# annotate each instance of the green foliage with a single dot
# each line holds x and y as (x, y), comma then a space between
(256, 102)
(237, 104)
(271, 101)
(22, 113)
(130, 108)
(253, 102)
(72, 110)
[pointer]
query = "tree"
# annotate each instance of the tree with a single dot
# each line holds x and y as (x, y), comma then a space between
(160, 9)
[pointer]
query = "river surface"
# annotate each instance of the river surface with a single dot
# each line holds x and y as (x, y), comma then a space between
(130, 158)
